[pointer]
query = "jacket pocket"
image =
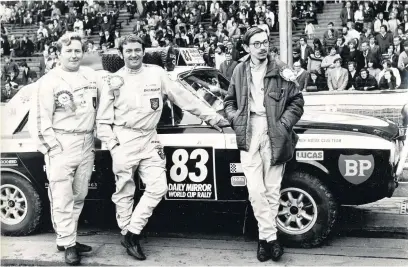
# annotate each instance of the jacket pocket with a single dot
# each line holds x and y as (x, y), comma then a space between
(277, 96)
(283, 144)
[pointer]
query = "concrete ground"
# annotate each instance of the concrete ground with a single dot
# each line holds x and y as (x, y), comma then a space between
(375, 234)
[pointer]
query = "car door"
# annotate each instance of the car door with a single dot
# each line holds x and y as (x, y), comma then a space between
(189, 139)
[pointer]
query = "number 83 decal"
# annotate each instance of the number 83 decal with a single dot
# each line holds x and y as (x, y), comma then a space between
(190, 162)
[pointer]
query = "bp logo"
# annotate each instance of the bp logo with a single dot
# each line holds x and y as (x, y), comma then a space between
(356, 169)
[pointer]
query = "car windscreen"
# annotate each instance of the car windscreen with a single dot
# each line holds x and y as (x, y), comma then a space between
(209, 85)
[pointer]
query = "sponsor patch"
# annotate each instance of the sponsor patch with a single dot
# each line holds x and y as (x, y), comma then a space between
(236, 168)
(309, 155)
(356, 169)
(160, 151)
(154, 103)
(149, 90)
(7, 162)
(238, 181)
(115, 82)
(64, 98)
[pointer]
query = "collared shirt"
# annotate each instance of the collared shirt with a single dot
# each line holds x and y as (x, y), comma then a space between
(303, 51)
(256, 97)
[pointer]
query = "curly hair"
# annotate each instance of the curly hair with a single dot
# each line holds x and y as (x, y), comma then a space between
(67, 38)
(130, 38)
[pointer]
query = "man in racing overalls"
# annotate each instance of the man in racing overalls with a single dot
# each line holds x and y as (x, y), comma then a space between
(62, 121)
(262, 108)
(130, 107)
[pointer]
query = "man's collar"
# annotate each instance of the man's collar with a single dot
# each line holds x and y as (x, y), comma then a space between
(132, 71)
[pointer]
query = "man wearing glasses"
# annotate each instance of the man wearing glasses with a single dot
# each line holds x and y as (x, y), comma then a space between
(262, 108)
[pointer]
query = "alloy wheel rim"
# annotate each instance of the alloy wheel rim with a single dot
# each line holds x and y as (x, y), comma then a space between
(297, 211)
(13, 204)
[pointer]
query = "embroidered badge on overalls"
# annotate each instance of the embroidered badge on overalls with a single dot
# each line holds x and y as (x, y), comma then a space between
(65, 99)
(115, 83)
(154, 103)
(160, 151)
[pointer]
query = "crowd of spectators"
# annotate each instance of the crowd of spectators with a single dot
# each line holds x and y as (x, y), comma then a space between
(369, 52)
(31, 28)
(369, 45)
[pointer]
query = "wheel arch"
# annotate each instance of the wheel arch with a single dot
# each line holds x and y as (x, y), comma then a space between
(25, 177)
(316, 169)
(9, 170)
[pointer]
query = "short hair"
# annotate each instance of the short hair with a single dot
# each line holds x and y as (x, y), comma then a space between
(387, 62)
(364, 69)
(251, 32)
(397, 37)
(352, 63)
(330, 23)
(338, 60)
(131, 38)
(384, 26)
(67, 38)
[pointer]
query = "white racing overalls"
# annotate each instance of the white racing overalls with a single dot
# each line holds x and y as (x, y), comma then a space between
(130, 108)
(62, 121)
(263, 180)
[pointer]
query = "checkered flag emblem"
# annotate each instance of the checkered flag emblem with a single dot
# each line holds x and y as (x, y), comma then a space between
(236, 168)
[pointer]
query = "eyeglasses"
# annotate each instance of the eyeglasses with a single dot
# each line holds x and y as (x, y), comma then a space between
(258, 44)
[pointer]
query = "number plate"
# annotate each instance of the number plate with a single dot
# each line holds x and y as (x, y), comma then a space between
(190, 173)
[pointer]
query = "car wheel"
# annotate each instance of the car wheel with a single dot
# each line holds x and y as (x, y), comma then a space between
(307, 211)
(20, 207)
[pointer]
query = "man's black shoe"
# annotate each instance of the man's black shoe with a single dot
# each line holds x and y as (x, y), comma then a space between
(132, 245)
(264, 252)
(80, 248)
(72, 256)
(276, 250)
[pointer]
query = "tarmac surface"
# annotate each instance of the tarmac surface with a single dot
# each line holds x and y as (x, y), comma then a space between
(375, 234)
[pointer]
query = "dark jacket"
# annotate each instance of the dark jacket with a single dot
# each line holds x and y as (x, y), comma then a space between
(110, 41)
(284, 104)
(26, 76)
(370, 82)
(384, 84)
(320, 84)
(227, 70)
(351, 80)
(344, 16)
(357, 57)
(371, 56)
(384, 41)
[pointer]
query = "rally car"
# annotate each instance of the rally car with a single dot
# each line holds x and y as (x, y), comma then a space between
(340, 159)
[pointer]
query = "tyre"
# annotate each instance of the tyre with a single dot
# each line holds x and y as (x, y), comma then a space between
(20, 207)
(307, 211)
